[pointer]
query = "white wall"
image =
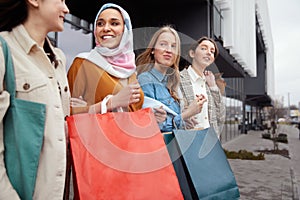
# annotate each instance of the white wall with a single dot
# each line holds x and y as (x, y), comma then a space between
(239, 31)
(264, 22)
(240, 35)
(73, 42)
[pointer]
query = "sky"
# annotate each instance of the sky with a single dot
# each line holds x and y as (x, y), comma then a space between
(285, 26)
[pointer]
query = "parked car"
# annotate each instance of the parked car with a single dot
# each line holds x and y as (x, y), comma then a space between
(281, 120)
(294, 120)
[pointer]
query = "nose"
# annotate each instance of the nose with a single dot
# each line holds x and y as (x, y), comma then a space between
(66, 9)
(169, 48)
(106, 27)
(208, 52)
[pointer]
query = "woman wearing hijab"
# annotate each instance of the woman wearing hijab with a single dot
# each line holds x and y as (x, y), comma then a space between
(105, 78)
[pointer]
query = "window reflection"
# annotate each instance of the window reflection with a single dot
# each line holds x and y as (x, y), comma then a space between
(234, 108)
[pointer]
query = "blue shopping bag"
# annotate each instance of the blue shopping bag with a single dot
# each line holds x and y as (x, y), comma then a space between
(200, 162)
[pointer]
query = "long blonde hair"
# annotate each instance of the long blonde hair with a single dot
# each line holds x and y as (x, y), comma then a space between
(145, 61)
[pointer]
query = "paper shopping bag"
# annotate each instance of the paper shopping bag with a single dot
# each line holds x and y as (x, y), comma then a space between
(121, 156)
(203, 165)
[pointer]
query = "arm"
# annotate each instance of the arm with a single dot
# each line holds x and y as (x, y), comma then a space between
(219, 104)
(130, 94)
(7, 191)
(218, 101)
(194, 108)
(150, 87)
(157, 91)
(76, 80)
(89, 86)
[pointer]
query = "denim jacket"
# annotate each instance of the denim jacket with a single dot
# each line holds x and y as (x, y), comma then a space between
(154, 84)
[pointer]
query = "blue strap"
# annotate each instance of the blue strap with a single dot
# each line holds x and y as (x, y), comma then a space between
(9, 76)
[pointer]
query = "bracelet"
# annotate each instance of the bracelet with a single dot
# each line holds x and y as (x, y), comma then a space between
(103, 104)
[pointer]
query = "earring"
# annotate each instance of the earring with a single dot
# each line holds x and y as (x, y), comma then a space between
(152, 52)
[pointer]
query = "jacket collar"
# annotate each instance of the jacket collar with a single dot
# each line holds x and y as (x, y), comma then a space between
(27, 43)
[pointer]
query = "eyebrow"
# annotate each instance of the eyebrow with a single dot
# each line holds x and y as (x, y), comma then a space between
(110, 19)
(207, 46)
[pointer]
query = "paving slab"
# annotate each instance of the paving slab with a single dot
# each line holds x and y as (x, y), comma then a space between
(276, 177)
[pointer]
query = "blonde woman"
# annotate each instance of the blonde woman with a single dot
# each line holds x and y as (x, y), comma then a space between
(158, 75)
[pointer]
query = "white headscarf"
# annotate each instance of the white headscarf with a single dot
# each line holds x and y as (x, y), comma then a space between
(120, 61)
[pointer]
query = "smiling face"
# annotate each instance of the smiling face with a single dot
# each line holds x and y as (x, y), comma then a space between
(109, 28)
(203, 55)
(165, 51)
(52, 13)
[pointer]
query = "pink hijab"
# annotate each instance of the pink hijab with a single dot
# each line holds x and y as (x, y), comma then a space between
(120, 61)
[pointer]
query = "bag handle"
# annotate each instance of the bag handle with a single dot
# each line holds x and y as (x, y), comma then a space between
(175, 126)
(9, 76)
(104, 106)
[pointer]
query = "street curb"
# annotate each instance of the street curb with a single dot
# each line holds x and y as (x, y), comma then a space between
(294, 185)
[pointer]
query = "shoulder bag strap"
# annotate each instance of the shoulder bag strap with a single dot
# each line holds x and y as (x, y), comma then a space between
(9, 76)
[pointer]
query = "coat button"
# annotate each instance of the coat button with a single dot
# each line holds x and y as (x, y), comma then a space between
(66, 89)
(26, 86)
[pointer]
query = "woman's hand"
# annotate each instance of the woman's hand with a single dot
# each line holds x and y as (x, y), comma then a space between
(130, 94)
(160, 114)
(191, 122)
(77, 102)
(210, 78)
(195, 107)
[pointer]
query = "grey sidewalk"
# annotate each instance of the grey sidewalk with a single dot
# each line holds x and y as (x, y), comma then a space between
(274, 178)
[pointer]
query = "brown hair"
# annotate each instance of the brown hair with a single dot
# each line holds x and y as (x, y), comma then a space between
(12, 13)
(195, 45)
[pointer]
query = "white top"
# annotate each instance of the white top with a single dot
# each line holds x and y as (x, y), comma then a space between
(199, 87)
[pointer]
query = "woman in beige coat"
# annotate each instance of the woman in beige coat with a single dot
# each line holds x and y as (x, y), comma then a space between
(40, 77)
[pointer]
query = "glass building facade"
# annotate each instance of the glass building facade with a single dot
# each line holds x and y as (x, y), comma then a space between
(234, 108)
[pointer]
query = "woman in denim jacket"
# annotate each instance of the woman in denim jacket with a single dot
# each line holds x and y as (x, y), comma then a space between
(158, 75)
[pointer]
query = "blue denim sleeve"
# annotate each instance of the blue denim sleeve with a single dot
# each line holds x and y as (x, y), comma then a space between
(168, 124)
(158, 91)
(147, 85)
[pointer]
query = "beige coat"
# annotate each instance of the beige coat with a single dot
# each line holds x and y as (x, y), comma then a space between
(33, 67)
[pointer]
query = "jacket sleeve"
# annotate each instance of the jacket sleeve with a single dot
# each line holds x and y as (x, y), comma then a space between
(7, 191)
(171, 122)
(219, 104)
(75, 77)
